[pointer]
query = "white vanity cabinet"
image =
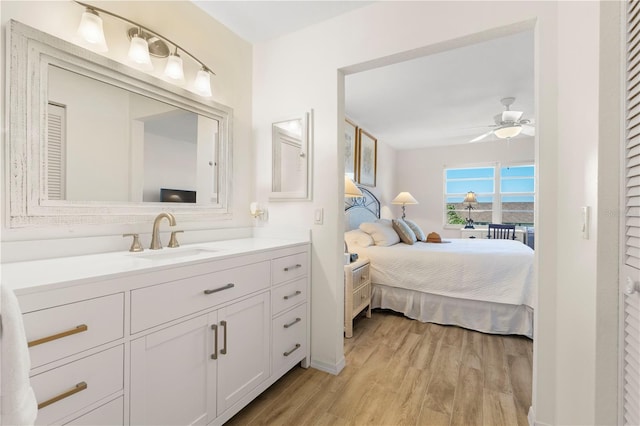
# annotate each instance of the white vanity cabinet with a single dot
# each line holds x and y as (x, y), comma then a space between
(193, 371)
(181, 343)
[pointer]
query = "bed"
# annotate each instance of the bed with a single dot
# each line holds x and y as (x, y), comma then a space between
(479, 284)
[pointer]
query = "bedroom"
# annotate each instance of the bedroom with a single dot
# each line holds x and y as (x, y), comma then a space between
(573, 381)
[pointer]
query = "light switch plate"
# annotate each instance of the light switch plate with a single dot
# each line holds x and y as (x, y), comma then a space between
(585, 222)
(318, 216)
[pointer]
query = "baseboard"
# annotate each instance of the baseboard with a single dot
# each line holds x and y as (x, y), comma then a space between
(531, 417)
(334, 369)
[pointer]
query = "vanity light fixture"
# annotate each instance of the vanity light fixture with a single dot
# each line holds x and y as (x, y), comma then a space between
(144, 44)
(90, 29)
(139, 51)
(174, 70)
(257, 210)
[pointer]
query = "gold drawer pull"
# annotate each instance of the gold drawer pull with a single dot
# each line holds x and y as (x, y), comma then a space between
(78, 388)
(295, 321)
(297, 293)
(289, 268)
(292, 350)
(224, 287)
(78, 329)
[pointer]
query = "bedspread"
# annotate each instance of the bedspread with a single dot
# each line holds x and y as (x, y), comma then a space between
(477, 269)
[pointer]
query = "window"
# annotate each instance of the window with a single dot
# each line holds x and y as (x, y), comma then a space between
(505, 194)
(517, 191)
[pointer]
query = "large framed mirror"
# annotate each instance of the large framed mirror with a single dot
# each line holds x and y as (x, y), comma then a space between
(92, 141)
(291, 147)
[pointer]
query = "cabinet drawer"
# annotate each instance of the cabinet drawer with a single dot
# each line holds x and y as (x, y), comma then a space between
(102, 373)
(361, 297)
(288, 295)
(111, 413)
(289, 267)
(73, 328)
(158, 304)
(289, 338)
(360, 276)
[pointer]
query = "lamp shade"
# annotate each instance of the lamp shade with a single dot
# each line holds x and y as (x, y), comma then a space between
(202, 83)
(350, 189)
(139, 51)
(404, 198)
(470, 198)
(174, 69)
(90, 29)
(508, 131)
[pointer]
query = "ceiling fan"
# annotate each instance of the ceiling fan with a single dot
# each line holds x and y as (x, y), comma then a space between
(508, 124)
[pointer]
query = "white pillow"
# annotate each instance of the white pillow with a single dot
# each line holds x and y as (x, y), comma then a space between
(357, 238)
(382, 232)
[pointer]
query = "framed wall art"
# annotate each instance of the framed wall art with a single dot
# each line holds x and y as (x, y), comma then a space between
(367, 158)
(350, 149)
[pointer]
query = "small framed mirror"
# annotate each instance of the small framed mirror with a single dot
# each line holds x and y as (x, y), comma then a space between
(291, 142)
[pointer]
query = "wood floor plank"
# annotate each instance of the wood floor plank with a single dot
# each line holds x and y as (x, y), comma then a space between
(467, 407)
(499, 409)
(441, 389)
(405, 408)
(520, 375)
(494, 362)
(402, 372)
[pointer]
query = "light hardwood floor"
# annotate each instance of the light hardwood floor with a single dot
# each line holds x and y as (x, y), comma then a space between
(404, 372)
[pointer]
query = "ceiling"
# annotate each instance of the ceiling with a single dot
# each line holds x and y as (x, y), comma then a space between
(440, 99)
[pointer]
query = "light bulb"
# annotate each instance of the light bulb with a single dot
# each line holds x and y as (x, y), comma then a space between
(90, 29)
(139, 51)
(508, 131)
(202, 83)
(174, 70)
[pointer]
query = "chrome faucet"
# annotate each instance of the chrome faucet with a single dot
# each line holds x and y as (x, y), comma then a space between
(156, 244)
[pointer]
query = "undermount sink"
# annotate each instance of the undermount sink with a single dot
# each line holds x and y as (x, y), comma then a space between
(178, 253)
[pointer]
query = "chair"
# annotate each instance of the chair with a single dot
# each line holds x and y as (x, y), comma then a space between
(501, 232)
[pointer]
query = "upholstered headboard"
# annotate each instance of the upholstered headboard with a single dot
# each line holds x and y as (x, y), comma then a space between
(359, 210)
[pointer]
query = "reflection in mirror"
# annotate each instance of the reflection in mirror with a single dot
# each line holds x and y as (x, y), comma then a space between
(289, 171)
(93, 141)
(105, 143)
(290, 159)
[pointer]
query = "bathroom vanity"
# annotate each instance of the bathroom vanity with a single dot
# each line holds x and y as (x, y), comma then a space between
(174, 336)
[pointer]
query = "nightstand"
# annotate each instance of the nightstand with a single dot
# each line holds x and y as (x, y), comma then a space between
(357, 292)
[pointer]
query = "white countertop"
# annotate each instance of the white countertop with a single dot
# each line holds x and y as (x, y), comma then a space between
(38, 273)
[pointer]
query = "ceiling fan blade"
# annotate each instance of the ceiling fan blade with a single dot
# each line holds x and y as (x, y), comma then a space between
(482, 136)
(511, 115)
(528, 130)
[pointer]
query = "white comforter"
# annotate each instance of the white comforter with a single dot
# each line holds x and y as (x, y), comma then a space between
(477, 269)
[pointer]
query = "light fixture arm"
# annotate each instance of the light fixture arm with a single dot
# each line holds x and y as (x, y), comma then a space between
(145, 29)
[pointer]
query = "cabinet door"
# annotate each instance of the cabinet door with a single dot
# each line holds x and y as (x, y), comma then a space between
(243, 358)
(173, 376)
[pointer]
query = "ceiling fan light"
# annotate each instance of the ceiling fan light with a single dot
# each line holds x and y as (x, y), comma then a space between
(508, 131)
(90, 29)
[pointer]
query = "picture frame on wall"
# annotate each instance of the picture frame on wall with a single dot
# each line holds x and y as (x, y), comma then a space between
(350, 149)
(367, 158)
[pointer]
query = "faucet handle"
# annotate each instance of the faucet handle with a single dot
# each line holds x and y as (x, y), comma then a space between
(135, 244)
(173, 241)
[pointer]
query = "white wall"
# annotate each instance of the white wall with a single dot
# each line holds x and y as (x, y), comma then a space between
(568, 114)
(97, 136)
(420, 171)
(181, 21)
(177, 165)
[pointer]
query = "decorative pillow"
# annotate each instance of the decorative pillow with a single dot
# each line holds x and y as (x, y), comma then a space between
(402, 229)
(434, 237)
(381, 232)
(420, 236)
(357, 238)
